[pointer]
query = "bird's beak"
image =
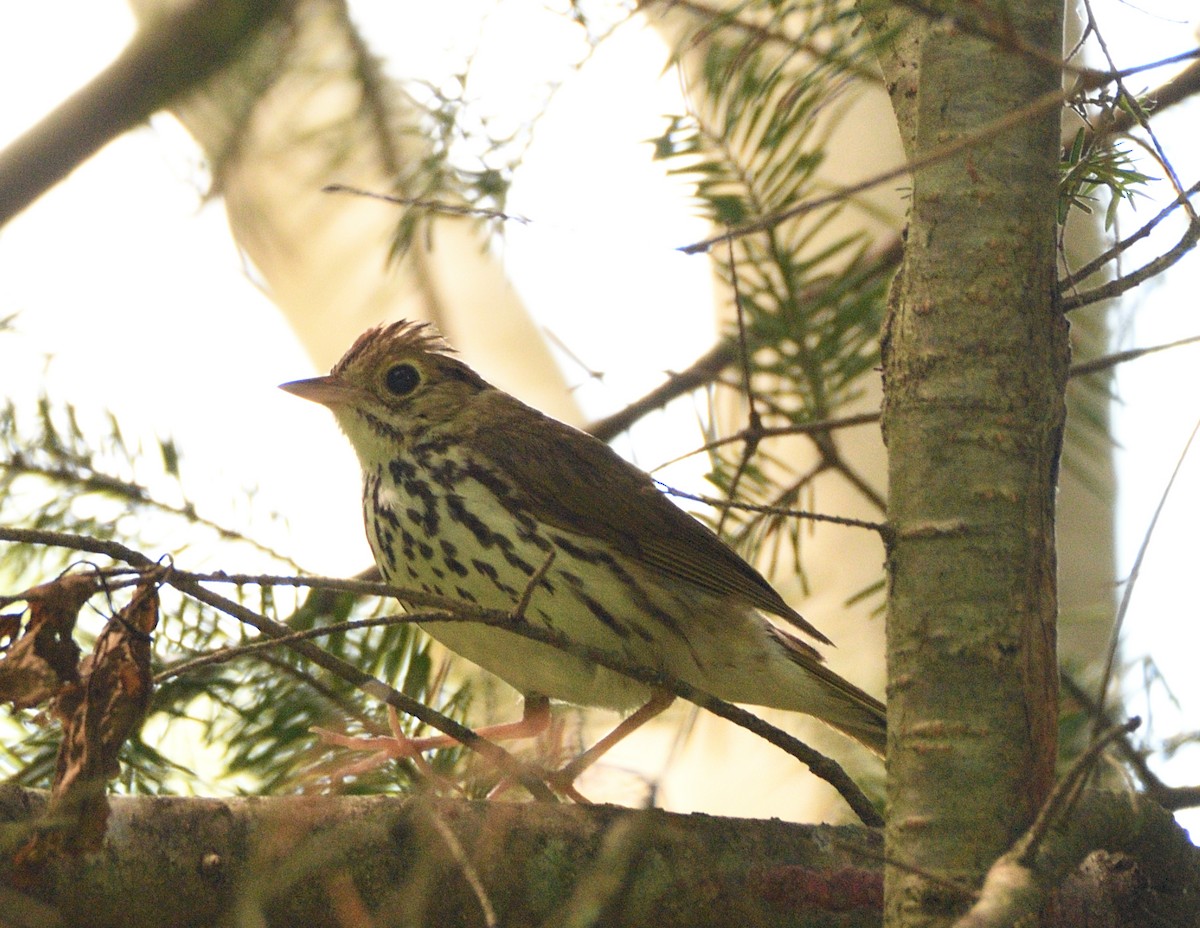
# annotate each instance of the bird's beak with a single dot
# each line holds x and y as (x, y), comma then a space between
(328, 391)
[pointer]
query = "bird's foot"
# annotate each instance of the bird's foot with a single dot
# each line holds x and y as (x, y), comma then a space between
(396, 746)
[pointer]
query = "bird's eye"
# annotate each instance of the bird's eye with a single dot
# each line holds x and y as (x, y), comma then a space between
(402, 379)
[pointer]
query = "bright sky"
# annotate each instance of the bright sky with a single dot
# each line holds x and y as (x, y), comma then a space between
(135, 287)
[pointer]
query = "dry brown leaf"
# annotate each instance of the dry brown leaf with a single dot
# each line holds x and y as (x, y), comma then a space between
(98, 715)
(45, 658)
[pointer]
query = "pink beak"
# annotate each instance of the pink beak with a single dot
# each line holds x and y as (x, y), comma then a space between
(328, 390)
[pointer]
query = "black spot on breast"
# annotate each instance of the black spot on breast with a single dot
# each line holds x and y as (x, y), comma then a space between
(606, 617)
(506, 548)
(587, 555)
(387, 544)
(459, 513)
(444, 474)
(402, 469)
(489, 571)
(486, 569)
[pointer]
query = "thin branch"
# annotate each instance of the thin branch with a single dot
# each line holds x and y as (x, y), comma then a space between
(94, 481)
(703, 371)
(885, 258)
(1046, 101)
(1136, 110)
(755, 427)
(803, 428)
(1088, 80)
(460, 858)
(535, 578)
(373, 687)
(859, 483)
(1151, 269)
(232, 652)
(882, 259)
(1120, 357)
(1176, 90)
(1120, 247)
(1171, 798)
(169, 56)
(1066, 792)
(777, 511)
(433, 206)
(1016, 884)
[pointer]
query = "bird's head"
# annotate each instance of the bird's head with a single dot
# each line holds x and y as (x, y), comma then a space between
(396, 383)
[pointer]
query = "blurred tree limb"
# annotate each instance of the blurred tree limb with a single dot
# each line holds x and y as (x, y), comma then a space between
(169, 55)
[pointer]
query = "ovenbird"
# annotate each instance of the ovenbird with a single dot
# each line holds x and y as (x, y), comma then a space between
(467, 492)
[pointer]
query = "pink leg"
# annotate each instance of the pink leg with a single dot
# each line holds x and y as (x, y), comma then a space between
(563, 779)
(534, 720)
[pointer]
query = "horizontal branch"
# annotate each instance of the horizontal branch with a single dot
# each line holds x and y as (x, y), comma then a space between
(311, 861)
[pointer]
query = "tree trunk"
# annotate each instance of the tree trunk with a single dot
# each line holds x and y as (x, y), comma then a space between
(975, 367)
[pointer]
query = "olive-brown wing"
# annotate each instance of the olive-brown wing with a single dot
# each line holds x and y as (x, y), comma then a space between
(568, 479)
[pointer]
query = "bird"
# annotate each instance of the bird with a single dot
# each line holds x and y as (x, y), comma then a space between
(469, 493)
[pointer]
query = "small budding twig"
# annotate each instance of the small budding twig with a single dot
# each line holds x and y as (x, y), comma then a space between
(534, 579)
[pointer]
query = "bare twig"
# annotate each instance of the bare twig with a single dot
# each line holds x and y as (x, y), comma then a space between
(1151, 269)
(469, 873)
(534, 579)
(1120, 247)
(1120, 357)
(881, 260)
(1135, 109)
(92, 481)
(433, 206)
(777, 511)
(1176, 90)
(1015, 884)
(1088, 79)
(167, 57)
(1066, 791)
(1171, 798)
(754, 429)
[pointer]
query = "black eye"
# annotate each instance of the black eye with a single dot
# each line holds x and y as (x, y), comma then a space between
(402, 379)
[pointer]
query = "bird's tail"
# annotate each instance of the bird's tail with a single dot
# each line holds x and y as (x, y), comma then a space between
(854, 712)
(833, 699)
